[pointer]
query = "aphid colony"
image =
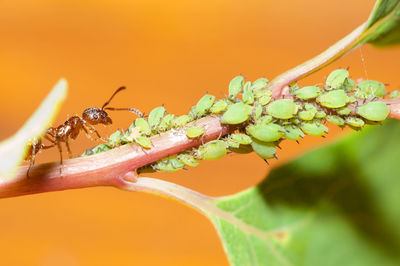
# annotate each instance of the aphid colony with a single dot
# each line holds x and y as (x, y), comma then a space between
(261, 122)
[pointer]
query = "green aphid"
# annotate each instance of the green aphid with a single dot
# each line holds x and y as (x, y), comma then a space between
(306, 115)
(373, 111)
(166, 123)
(369, 89)
(144, 141)
(187, 159)
(265, 132)
(243, 149)
(264, 100)
(247, 86)
(320, 114)
(282, 109)
(115, 139)
(248, 96)
(143, 125)
(336, 120)
(257, 111)
(194, 132)
(310, 107)
(355, 122)
(333, 99)
(212, 150)
(180, 121)
(259, 84)
(232, 144)
(170, 164)
(307, 93)
(344, 111)
(266, 119)
(293, 87)
(266, 150)
(236, 114)
(241, 138)
(155, 117)
(204, 104)
(97, 149)
(219, 106)
(336, 79)
(351, 99)
(314, 128)
(293, 133)
(349, 84)
(394, 94)
(258, 94)
(236, 86)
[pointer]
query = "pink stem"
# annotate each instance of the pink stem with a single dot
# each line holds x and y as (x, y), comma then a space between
(107, 168)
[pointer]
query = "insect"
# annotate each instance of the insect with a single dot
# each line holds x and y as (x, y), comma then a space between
(72, 126)
(282, 109)
(236, 113)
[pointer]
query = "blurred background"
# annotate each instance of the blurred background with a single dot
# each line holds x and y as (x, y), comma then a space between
(165, 52)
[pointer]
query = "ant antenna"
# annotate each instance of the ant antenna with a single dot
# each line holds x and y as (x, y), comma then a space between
(133, 110)
(112, 96)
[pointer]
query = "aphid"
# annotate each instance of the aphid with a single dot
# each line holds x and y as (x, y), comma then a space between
(369, 89)
(219, 106)
(236, 114)
(170, 164)
(143, 125)
(293, 133)
(336, 120)
(266, 119)
(232, 144)
(344, 111)
(166, 123)
(262, 92)
(236, 86)
(180, 121)
(203, 105)
(265, 132)
(97, 149)
(241, 138)
(115, 139)
(212, 150)
(155, 117)
(373, 111)
(71, 128)
(355, 122)
(306, 115)
(336, 79)
(282, 109)
(264, 100)
(257, 111)
(187, 159)
(333, 99)
(307, 93)
(143, 141)
(313, 128)
(259, 84)
(194, 132)
(349, 85)
(320, 114)
(248, 96)
(266, 150)
(394, 94)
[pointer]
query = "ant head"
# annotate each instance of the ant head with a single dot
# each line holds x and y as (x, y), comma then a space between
(96, 116)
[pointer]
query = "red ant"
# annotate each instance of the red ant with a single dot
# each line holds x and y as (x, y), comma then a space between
(72, 127)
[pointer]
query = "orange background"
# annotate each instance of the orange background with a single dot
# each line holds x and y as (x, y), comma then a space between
(165, 52)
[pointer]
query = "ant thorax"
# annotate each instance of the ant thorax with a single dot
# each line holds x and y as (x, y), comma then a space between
(96, 116)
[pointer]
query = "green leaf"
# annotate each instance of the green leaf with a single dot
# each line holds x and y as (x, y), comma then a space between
(13, 149)
(384, 23)
(337, 205)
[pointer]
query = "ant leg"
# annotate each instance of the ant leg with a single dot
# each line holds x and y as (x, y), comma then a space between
(97, 133)
(68, 148)
(32, 160)
(61, 158)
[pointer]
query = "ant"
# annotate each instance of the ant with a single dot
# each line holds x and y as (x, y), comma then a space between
(71, 128)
